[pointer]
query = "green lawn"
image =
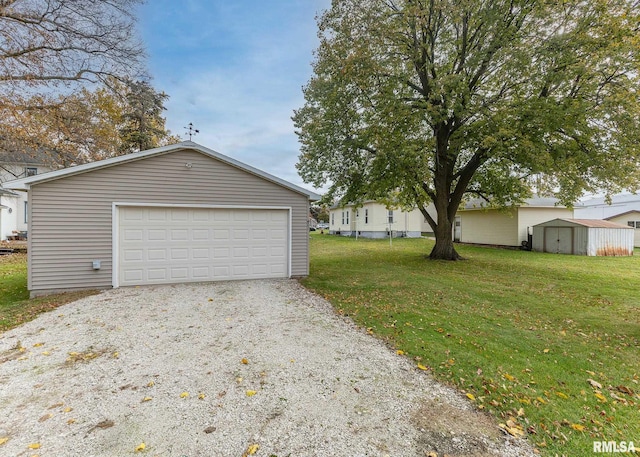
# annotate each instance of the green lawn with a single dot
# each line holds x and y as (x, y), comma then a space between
(15, 306)
(549, 344)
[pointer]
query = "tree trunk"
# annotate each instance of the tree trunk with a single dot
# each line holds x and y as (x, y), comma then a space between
(444, 248)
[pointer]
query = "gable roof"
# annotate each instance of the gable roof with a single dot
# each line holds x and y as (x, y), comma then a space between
(594, 223)
(25, 183)
(636, 211)
(534, 202)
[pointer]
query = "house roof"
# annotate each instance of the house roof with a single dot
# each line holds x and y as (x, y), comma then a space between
(615, 200)
(25, 183)
(622, 214)
(534, 202)
(595, 223)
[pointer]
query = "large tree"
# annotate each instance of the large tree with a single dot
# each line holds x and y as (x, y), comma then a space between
(69, 42)
(434, 100)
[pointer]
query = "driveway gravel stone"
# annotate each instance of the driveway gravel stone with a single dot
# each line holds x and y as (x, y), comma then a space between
(261, 368)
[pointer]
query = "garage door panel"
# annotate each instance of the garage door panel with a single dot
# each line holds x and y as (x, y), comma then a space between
(201, 244)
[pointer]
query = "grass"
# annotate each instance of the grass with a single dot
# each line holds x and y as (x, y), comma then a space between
(15, 306)
(549, 344)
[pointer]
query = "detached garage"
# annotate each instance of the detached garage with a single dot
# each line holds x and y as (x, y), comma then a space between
(591, 237)
(180, 213)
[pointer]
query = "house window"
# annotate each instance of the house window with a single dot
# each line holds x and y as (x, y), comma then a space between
(26, 211)
(357, 213)
(347, 217)
(30, 171)
(333, 218)
(634, 224)
(390, 216)
(342, 222)
(366, 216)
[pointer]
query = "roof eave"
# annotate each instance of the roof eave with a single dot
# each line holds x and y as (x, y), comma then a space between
(25, 183)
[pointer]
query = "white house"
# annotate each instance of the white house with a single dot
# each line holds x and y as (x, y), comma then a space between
(375, 220)
(477, 223)
(624, 209)
(14, 165)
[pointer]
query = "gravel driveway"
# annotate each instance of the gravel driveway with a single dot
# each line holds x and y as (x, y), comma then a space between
(259, 368)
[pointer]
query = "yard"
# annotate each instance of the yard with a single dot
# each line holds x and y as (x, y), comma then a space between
(15, 306)
(549, 344)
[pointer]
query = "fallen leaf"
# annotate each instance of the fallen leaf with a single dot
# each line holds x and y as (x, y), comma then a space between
(577, 427)
(147, 399)
(521, 412)
(471, 397)
(251, 393)
(209, 429)
(508, 377)
(595, 384)
(422, 367)
(184, 394)
(34, 446)
(562, 395)
(37, 345)
(68, 409)
(140, 447)
(71, 421)
(400, 352)
(45, 417)
(46, 353)
(252, 449)
(625, 390)
(244, 361)
(210, 299)
(3, 440)
(201, 396)
(546, 351)
(601, 397)
(116, 355)
(151, 384)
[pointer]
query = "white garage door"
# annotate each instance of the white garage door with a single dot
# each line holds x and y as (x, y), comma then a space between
(171, 245)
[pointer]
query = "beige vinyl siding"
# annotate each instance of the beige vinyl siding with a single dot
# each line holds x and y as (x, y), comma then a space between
(623, 219)
(530, 216)
(71, 218)
(489, 227)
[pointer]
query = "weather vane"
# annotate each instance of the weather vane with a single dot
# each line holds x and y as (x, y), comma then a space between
(191, 130)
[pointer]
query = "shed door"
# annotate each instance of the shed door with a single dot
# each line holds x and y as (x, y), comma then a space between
(558, 240)
(173, 245)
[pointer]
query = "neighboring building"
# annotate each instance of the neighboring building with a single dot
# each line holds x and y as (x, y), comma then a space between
(179, 213)
(591, 237)
(630, 219)
(16, 165)
(624, 209)
(8, 213)
(374, 220)
(478, 224)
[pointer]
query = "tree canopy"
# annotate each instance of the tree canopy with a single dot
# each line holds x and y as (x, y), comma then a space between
(432, 101)
(53, 42)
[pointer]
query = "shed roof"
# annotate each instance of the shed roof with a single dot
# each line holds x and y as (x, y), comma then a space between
(25, 183)
(593, 223)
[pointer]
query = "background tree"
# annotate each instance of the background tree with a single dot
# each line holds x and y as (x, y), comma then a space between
(85, 126)
(143, 125)
(433, 100)
(69, 42)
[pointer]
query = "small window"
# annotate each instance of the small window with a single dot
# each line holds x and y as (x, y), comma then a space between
(357, 213)
(390, 216)
(366, 216)
(333, 218)
(342, 222)
(634, 224)
(347, 217)
(26, 211)
(30, 171)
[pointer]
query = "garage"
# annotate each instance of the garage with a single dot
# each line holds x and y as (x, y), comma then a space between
(160, 245)
(179, 213)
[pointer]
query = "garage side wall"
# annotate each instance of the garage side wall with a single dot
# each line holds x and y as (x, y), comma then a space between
(71, 218)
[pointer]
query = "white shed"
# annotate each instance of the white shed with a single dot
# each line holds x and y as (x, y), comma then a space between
(592, 237)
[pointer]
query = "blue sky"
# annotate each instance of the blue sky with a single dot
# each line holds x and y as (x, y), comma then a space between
(236, 70)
